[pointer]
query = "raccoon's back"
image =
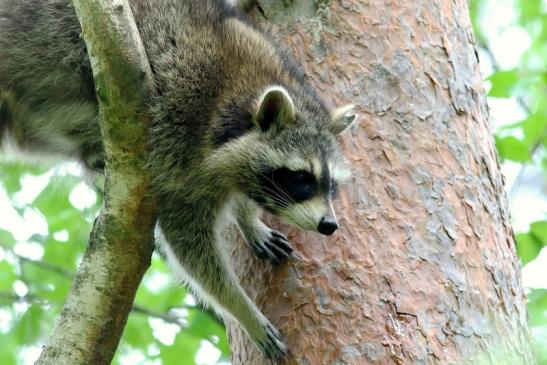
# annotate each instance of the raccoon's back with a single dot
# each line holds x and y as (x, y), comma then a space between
(42, 55)
(205, 59)
(42, 51)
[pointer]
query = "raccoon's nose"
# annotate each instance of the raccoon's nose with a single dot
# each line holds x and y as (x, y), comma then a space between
(327, 225)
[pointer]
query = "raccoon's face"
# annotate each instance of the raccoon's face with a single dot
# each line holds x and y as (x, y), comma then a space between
(298, 173)
(301, 192)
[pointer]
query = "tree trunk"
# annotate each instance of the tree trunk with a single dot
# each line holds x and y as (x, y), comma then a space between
(120, 248)
(423, 269)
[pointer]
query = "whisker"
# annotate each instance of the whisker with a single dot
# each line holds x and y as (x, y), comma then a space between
(283, 197)
(280, 201)
(282, 191)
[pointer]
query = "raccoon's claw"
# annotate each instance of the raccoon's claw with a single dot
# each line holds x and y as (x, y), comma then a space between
(272, 346)
(273, 247)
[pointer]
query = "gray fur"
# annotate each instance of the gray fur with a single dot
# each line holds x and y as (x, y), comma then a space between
(222, 142)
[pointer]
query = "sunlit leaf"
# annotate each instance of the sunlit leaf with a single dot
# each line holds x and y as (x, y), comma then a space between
(206, 326)
(183, 351)
(528, 248)
(503, 83)
(46, 283)
(6, 238)
(54, 204)
(12, 172)
(512, 148)
(528, 10)
(535, 130)
(538, 230)
(28, 327)
(537, 305)
(7, 349)
(137, 332)
(7, 277)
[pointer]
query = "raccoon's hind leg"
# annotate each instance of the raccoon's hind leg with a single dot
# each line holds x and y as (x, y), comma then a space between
(195, 253)
(266, 243)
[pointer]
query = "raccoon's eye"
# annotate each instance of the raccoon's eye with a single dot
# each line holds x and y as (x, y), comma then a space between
(300, 176)
(289, 186)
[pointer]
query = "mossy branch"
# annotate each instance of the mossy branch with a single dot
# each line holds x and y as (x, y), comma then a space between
(91, 323)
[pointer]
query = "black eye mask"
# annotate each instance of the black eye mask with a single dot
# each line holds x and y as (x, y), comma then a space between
(287, 186)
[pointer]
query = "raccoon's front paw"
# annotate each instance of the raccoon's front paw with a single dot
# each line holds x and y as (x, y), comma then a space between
(273, 246)
(272, 345)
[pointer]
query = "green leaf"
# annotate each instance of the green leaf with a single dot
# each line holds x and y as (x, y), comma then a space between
(511, 127)
(527, 247)
(138, 333)
(12, 172)
(535, 129)
(205, 326)
(503, 83)
(538, 230)
(54, 204)
(183, 350)
(65, 254)
(6, 238)
(8, 351)
(162, 299)
(46, 284)
(537, 307)
(28, 328)
(528, 10)
(475, 10)
(7, 276)
(12, 183)
(511, 148)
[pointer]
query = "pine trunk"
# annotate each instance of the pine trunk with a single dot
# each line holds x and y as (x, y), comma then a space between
(424, 268)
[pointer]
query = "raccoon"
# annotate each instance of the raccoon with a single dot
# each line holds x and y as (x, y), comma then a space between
(236, 130)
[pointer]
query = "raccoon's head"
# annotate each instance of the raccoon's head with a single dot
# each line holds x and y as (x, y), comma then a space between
(298, 167)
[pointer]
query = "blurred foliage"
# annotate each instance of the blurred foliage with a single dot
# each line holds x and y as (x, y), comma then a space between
(523, 142)
(36, 269)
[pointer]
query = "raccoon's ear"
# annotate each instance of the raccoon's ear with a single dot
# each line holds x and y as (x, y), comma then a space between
(275, 108)
(342, 118)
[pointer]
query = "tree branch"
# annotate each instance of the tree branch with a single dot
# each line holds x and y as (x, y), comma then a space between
(166, 317)
(120, 248)
(42, 264)
(34, 299)
(12, 297)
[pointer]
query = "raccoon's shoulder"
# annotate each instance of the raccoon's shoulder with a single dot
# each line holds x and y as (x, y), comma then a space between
(254, 63)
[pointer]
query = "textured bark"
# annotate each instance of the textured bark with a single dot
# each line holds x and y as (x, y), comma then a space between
(120, 248)
(423, 269)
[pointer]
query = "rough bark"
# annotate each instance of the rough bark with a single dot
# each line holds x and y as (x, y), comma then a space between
(423, 269)
(120, 248)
